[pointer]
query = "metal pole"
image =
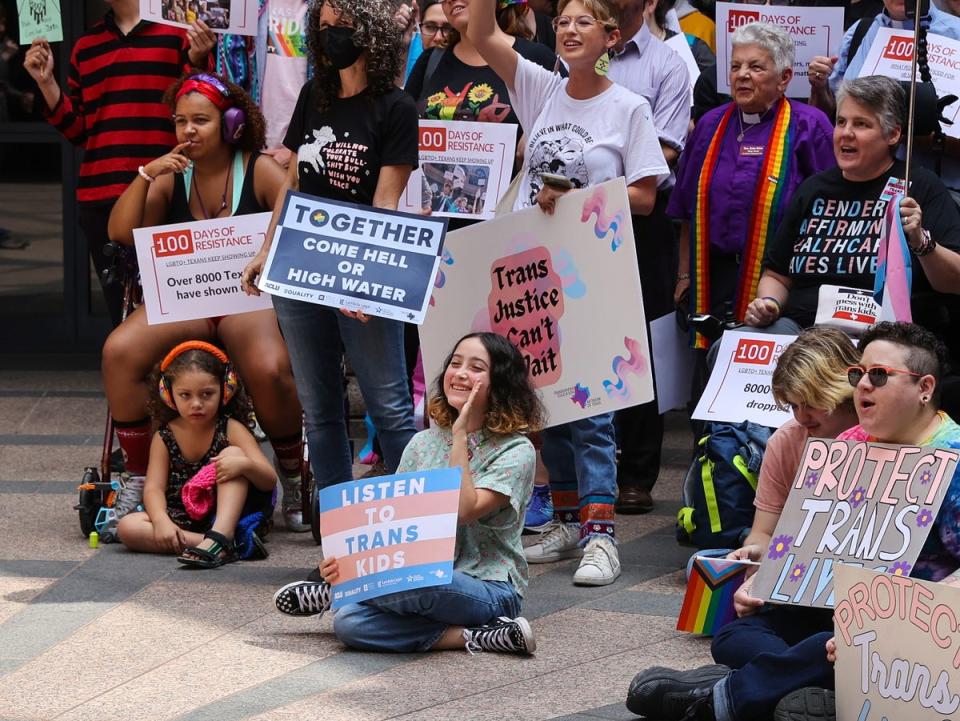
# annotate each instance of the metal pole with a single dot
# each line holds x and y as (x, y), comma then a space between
(911, 108)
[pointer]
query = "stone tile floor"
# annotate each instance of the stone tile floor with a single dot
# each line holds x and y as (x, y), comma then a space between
(102, 634)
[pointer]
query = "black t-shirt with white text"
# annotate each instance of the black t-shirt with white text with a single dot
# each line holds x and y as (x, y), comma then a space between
(341, 150)
(830, 234)
(457, 91)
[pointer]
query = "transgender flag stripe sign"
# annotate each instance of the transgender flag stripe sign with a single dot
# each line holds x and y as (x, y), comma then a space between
(392, 533)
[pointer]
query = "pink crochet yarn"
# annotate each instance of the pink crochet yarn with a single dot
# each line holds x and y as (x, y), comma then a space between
(198, 492)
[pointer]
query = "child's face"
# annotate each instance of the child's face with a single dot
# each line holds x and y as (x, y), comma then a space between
(197, 395)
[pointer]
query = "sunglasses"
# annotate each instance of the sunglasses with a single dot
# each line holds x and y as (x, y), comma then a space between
(878, 374)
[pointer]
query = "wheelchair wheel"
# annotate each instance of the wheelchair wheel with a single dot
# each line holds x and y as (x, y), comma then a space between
(315, 513)
(88, 507)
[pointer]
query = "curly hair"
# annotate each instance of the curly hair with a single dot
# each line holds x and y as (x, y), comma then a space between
(926, 354)
(513, 407)
(254, 135)
(374, 30)
(239, 407)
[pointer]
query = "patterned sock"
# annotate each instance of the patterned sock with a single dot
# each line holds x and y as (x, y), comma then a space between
(596, 517)
(134, 439)
(289, 452)
(565, 501)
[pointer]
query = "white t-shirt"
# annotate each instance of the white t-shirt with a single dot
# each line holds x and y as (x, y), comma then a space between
(588, 141)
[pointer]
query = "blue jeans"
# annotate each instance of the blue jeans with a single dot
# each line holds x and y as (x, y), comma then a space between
(581, 457)
(773, 630)
(415, 620)
(314, 335)
(751, 693)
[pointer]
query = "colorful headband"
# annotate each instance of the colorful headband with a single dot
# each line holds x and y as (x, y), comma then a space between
(208, 86)
(504, 4)
(193, 345)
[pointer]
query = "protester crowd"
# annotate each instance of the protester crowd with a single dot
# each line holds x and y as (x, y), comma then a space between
(744, 208)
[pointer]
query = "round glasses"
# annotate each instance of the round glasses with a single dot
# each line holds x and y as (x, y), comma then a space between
(582, 22)
(878, 374)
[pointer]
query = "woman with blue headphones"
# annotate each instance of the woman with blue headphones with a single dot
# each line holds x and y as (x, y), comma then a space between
(215, 171)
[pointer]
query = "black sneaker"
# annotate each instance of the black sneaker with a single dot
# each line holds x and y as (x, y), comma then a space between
(807, 704)
(664, 693)
(506, 635)
(303, 598)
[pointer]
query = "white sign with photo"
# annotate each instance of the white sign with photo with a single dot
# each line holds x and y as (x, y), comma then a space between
(740, 385)
(465, 169)
(192, 270)
(815, 31)
(564, 288)
(238, 17)
(892, 55)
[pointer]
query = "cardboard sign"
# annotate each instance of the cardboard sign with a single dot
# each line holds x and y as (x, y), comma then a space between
(391, 533)
(851, 310)
(891, 54)
(865, 504)
(238, 17)
(356, 257)
(740, 388)
(673, 362)
(682, 48)
(466, 165)
(564, 288)
(40, 19)
(898, 648)
(192, 270)
(815, 31)
(708, 602)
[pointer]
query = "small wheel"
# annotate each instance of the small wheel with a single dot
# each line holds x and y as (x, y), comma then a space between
(315, 513)
(88, 507)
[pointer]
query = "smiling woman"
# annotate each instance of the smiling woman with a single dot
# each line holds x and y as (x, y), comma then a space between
(831, 232)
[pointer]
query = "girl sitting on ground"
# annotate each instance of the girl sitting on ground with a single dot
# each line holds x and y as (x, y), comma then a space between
(198, 406)
(483, 404)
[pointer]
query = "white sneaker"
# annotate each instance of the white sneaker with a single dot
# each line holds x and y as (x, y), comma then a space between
(600, 565)
(559, 542)
(292, 503)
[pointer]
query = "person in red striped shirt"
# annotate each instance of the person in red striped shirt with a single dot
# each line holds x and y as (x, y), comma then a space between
(113, 108)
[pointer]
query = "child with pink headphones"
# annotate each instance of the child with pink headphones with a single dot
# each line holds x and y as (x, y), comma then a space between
(207, 478)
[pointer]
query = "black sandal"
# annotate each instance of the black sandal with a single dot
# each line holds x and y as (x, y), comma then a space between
(222, 551)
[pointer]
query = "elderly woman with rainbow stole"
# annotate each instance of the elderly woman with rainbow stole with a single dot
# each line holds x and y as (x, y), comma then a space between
(742, 164)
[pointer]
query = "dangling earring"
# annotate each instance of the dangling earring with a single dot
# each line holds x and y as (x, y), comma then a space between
(602, 66)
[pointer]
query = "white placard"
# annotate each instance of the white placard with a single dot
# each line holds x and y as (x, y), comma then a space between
(564, 288)
(192, 270)
(239, 17)
(673, 362)
(892, 53)
(681, 46)
(467, 166)
(815, 31)
(739, 388)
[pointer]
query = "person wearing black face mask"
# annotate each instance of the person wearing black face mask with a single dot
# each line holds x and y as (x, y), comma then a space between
(354, 138)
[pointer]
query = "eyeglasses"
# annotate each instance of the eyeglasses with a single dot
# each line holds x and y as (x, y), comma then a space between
(878, 374)
(430, 29)
(582, 22)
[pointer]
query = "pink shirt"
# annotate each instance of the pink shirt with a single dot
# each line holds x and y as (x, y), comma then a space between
(780, 463)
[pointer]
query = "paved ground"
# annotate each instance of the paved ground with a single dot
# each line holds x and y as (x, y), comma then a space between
(96, 635)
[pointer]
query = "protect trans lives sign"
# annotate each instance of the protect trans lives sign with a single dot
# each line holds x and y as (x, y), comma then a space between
(355, 257)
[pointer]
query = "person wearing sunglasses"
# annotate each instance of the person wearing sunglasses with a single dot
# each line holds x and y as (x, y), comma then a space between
(907, 362)
(585, 129)
(832, 230)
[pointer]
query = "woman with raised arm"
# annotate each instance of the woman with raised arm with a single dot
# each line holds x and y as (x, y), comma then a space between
(582, 130)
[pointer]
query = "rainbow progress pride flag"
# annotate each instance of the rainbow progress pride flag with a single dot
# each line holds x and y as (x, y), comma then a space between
(708, 603)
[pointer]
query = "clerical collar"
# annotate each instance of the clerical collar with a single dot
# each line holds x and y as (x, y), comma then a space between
(751, 118)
